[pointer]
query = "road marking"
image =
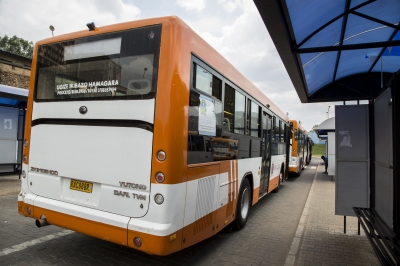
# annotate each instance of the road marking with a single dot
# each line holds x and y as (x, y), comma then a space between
(33, 242)
(294, 248)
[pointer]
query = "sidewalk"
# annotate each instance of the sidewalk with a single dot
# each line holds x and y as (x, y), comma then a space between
(320, 239)
(9, 184)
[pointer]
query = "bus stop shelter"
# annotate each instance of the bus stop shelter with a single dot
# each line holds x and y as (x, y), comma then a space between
(326, 131)
(349, 50)
(12, 118)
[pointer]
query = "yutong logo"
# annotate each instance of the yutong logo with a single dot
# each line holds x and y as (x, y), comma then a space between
(127, 194)
(45, 171)
(132, 185)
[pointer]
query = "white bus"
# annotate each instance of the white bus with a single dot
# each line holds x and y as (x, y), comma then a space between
(121, 137)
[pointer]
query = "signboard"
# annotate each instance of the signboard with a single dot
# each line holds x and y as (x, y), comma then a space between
(207, 119)
(8, 135)
(8, 123)
(352, 158)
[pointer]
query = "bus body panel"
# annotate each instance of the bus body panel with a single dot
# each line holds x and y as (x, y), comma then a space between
(110, 158)
(142, 110)
(277, 162)
(164, 219)
(299, 152)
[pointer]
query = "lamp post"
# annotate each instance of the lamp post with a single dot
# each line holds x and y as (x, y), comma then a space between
(52, 30)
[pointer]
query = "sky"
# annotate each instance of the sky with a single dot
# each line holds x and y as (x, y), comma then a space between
(233, 27)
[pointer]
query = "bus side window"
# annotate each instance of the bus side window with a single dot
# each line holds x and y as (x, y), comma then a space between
(197, 143)
(207, 82)
(240, 105)
(229, 109)
(274, 148)
(194, 103)
(218, 115)
(254, 120)
(208, 145)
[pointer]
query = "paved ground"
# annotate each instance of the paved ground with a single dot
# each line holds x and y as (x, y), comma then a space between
(9, 184)
(295, 226)
(321, 238)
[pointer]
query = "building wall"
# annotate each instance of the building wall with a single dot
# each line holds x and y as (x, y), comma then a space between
(15, 70)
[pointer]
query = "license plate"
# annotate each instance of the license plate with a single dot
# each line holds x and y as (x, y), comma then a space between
(81, 186)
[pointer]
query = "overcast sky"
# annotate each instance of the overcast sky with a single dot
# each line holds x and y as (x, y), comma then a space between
(233, 27)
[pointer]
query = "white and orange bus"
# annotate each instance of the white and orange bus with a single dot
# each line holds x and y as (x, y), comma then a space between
(124, 130)
(301, 152)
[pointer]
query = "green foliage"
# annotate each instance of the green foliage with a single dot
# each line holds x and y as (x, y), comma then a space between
(16, 46)
(318, 150)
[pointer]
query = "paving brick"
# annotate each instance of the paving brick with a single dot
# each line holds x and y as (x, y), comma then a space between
(324, 231)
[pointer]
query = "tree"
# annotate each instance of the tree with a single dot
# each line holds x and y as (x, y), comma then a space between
(16, 46)
(314, 126)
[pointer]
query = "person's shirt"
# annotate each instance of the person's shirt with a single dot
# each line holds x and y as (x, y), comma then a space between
(326, 159)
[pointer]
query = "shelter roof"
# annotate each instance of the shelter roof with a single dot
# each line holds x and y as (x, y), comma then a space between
(12, 96)
(326, 126)
(335, 50)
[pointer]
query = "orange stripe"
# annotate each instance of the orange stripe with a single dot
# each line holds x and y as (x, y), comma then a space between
(96, 229)
(151, 244)
(22, 209)
(191, 236)
(273, 183)
(225, 166)
(229, 205)
(237, 179)
(203, 170)
(256, 192)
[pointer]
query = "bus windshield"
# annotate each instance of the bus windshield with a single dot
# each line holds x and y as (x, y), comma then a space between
(121, 65)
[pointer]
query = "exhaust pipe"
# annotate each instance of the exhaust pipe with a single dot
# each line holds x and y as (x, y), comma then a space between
(41, 222)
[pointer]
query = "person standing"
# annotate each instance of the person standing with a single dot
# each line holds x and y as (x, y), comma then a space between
(325, 159)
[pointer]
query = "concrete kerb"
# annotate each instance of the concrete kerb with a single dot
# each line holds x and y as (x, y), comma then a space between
(297, 240)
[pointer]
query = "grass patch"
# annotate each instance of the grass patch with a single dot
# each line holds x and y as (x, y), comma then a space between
(318, 150)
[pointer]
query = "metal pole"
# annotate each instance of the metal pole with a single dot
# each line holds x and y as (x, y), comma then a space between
(344, 222)
(358, 227)
(22, 139)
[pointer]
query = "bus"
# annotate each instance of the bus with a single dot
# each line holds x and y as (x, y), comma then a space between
(301, 148)
(125, 129)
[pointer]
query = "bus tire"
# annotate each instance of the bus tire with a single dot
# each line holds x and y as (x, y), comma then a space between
(243, 205)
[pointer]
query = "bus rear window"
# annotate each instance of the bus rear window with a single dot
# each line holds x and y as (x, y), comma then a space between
(122, 65)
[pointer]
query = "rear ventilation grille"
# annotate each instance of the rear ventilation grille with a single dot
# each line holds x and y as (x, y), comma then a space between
(204, 203)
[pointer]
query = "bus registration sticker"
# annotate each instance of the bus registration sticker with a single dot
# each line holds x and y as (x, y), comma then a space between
(81, 186)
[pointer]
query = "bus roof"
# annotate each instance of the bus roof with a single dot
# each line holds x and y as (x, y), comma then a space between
(212, 57)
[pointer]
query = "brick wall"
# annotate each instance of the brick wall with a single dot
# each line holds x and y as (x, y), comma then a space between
(14, 70)
(14, 76)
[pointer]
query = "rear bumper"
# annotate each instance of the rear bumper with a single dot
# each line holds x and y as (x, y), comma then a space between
(294, 165)
(99, 224)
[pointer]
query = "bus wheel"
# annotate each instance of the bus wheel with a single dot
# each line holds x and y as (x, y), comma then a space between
(243, 205)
